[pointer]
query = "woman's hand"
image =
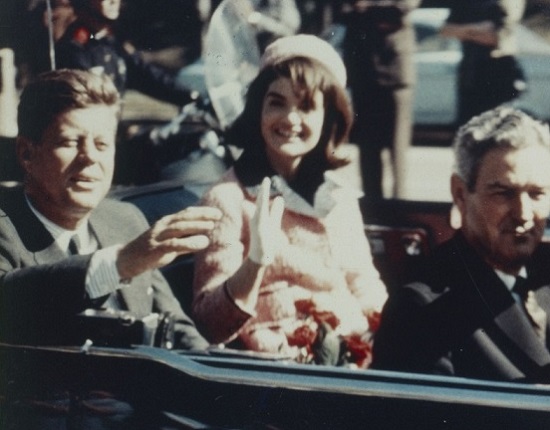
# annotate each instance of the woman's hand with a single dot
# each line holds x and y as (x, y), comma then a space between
(265, 227)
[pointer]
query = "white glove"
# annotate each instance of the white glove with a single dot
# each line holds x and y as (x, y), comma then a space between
(265, 227)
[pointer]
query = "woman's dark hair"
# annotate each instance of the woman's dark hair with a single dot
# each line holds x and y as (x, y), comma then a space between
(308, 76)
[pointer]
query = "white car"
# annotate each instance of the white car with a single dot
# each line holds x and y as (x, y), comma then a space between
(437, 59)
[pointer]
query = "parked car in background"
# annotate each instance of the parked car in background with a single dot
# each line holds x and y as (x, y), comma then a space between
(437, 60)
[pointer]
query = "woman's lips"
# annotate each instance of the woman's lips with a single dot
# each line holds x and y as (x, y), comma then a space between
(289, 133)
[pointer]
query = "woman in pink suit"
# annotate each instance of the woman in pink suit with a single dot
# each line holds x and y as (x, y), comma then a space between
(289, 268)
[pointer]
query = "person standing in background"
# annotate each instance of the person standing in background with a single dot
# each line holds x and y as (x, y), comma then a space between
(29, 31)
(377, 49)
(489, 73)
(275, 18)
(91, 44)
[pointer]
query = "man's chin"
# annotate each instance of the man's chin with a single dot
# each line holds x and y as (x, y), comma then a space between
(86, 200)
(519, 256)
(515, 254)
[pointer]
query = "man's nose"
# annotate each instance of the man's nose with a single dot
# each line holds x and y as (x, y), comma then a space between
(88, 150)
(525, 207)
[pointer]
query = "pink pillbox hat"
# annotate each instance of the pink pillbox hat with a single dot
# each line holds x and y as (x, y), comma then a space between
(308, 46)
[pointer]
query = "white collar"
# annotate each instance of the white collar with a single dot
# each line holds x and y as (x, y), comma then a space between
(333, 190)
(61, 235)
(510, 280)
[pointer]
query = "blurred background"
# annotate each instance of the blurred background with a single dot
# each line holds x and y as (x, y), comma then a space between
(170, 34)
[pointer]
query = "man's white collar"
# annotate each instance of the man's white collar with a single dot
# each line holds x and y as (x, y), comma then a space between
(510, 280)
(61, 235)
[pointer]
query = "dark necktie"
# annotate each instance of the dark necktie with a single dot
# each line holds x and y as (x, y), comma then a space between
(74, 245)
(536, 314)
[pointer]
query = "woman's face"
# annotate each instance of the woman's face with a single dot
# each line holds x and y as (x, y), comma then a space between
(109, 9)
(291, 126)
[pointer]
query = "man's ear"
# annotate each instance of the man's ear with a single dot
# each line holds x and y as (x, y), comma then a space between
(459, 189)
(24, 148)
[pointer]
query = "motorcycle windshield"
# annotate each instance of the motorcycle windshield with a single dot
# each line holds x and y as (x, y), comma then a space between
(231, 58)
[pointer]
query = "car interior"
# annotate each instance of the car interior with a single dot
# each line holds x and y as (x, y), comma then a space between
(226, 388)
(408, 234)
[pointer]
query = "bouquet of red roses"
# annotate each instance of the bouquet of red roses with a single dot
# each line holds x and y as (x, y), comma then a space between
(319, 343)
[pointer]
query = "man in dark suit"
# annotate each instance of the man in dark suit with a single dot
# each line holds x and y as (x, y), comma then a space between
(378, 52)
(466, 314)
(63, 247)
(489, 73)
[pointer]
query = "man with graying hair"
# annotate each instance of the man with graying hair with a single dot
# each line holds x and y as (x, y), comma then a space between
(477, 307)
(64, 247)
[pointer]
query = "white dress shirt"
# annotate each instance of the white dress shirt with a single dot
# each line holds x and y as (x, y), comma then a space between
(102, 277)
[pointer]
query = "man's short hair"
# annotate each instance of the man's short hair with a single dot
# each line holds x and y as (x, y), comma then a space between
(502, 127)
(54, 93)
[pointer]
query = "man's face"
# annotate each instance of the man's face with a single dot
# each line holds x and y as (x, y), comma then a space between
(62, 16)
(70, 171)
(109, 9)
(505, 216)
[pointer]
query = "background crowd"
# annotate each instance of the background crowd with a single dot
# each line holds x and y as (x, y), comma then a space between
(157, 41)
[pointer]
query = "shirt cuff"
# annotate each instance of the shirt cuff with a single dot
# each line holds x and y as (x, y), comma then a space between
(102, 277)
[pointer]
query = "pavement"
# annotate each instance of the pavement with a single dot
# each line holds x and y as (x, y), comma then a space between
(427, 174)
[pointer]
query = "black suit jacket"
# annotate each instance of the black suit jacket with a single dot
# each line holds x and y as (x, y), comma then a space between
(459, 318)
(374, 57)
(41, 289)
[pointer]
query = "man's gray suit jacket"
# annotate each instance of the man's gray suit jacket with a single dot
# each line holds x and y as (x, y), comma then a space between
(42, 289)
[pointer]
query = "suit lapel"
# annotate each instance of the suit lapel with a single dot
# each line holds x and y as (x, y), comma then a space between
(543, 299)
(514, 323)
(512, 320)
(108, 230)
(50, 254)
(498, 305)
(35, 237)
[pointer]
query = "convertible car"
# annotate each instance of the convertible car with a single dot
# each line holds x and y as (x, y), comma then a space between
(137, 386)
(145, 387)
(222, 390)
